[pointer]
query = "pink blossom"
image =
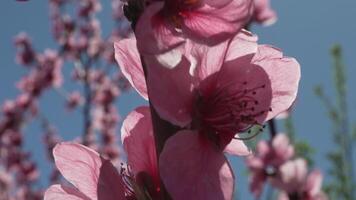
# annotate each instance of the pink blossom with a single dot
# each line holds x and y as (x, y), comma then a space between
(94, 177)
(88, 7)
(255, 81)
(73, 100)
(106, 92)
(6, 181)
(166, 24)
(216, 92)
(294, 181)
(47, 74)
(25, 54)
(266, 162)
(263, 13)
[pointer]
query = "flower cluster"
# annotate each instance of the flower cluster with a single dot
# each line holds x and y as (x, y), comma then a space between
(207, 81)
(275, 162)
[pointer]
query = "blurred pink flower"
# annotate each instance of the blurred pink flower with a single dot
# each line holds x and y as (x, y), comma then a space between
(263, 13)
(88, 7)
(165, 24)
(73, 100)
(25, 55)
(46, 74)
(267, 161)
(294, 181)
(6, 181)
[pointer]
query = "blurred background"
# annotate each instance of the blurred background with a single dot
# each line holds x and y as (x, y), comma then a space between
(306, 30)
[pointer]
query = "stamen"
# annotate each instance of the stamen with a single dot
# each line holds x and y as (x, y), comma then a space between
(231, 107)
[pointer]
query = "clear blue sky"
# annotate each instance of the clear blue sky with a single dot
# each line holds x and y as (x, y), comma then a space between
(305, 30)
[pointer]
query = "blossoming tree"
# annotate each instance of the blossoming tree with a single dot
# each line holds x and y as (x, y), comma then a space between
(210, 88)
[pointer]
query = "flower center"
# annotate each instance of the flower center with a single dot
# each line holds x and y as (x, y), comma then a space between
(231, 109)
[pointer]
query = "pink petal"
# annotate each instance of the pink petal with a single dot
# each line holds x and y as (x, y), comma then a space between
(79, 165)
(206, 60)
(154, 34)
(217, 4)
(138, 141)
(255, 163)
(60, 192)
(244, 43)
(282, 196)
(263, 13)
(110, 186)
(314, 182)
(128, 58)
(171, 90)
(193, 168)
(284, 75)
(282, 147)
(263, 148)
(292, 175)
(226, 18)
(84, 168)
(237, 148)
(233, 146)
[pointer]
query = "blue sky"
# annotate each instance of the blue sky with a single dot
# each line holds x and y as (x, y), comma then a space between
(305, 30)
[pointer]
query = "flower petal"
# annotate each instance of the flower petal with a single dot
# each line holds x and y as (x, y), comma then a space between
(193, 168)
(138, 141)
(263, 149)
(243, 44)
(284, 75)
(282, 196)
(313, 183)
(282, 147)
(84, 168)
(153, 32)
(60, 192)
(237, 147)
(224, 21)
(291, 175)
(263, 13)
(110, 186)
(129, 61)
(206, 60)
(171, 90)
